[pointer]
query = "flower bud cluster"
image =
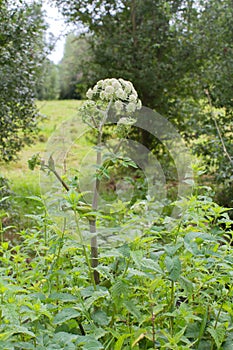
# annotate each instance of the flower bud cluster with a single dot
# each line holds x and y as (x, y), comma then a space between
(118, 91)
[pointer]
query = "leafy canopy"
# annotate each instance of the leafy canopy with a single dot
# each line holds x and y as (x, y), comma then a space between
(21, 52)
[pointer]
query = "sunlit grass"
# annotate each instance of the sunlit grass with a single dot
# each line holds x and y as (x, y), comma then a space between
(23, 181)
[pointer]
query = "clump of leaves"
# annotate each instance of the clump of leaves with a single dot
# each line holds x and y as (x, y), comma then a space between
(5, 193)
(155, 292)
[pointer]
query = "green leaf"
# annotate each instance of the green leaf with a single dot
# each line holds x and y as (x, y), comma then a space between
(173, 266)
(171, 250)
(35, 198)
(89, 343)
(132, 309)
(151, 265)
(112, 253)
(120, 342)
(65, 338)
(23, 345)
(5, 335)
(100, 318)
(203, 325)
(65, 315)
(96, 296)
(22, 330)
(186, 285)
(119, 288)
(105, 272)
(64, 297)
(218, 334)
(137, 257)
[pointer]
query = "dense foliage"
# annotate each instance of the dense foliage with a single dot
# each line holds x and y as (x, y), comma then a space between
(178, 54)
(154, 287)
(124, 274)
(21, 52)
(72, 82)
(175, 53)
(48, 86)
(154, 293)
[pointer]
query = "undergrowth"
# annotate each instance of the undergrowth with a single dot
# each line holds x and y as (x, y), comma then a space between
(122, 275)
(169, 289)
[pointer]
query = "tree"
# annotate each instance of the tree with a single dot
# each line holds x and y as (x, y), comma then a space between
(71, 67)
(48, 86)
(139, 40)
(22, 52)
(173, 52)
(216, 31)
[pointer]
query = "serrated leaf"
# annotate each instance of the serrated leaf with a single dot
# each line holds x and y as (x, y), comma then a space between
(96, 296)
(173, 266)
(64, 337)
(22, 330)
(120, 341)
(112, 253)
(151, 265)
(89, 343)
(105, 272)
(65, 297)
(101, 318)
(119, 288)
(23, 345)
(65, 315)
(134, 272)
(132, 309)
(171, 250)
(186, 285)
(87, 292)
(137, 257)
(218, 334)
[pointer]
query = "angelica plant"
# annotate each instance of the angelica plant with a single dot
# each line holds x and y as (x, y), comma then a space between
(120, 97)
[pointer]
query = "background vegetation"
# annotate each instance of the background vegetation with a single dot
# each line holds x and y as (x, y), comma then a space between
(171, 286)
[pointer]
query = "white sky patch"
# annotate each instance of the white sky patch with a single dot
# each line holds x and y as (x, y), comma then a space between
(58, 28)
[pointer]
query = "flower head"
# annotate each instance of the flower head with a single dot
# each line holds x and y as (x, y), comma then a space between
(119, 91)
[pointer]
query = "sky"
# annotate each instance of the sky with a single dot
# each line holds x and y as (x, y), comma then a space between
(58, 28)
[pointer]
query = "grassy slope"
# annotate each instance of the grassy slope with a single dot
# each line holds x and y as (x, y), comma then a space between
(24, 181)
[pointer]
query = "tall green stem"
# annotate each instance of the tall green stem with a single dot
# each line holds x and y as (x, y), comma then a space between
(85, 252)
(172, 302)
(92, 222)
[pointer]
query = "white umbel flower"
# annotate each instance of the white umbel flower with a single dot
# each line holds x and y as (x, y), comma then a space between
(119, 105)
(131, 107)
(89, 94)
(120, 92)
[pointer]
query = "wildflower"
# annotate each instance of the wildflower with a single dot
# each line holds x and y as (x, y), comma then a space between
(131, 107)
(139, 104)
(118, 91)
(89, 94)
(121, 94)
(102, 95)
(116, 84)
(119, 105)
(109, 90)
(132, 98)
